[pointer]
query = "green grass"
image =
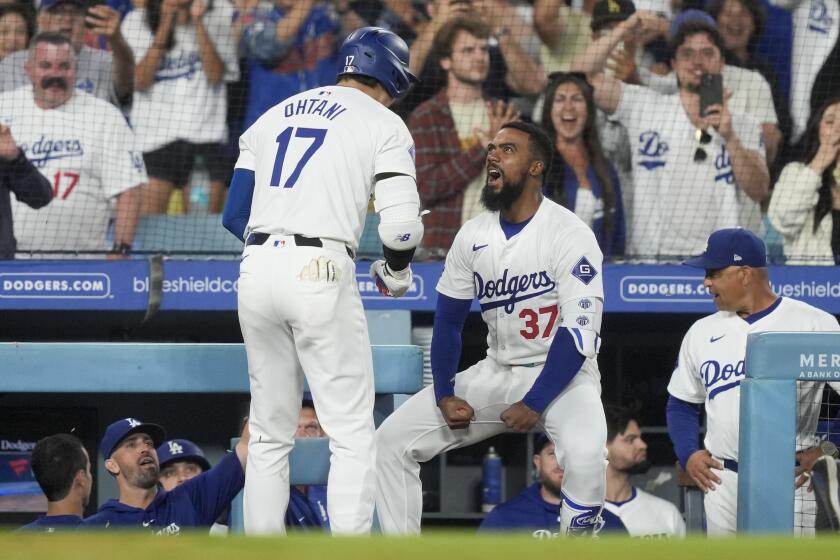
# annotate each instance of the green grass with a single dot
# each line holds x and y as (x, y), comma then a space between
(434, 546)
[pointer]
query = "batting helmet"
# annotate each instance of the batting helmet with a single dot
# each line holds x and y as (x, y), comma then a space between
(181, 450)
(378, 54)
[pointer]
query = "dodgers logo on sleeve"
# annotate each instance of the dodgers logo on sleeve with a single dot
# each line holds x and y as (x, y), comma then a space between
(584, 271)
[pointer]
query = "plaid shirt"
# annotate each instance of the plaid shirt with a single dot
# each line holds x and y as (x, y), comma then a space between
(443, 170)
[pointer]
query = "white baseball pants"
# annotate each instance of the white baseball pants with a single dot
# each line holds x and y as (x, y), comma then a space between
(297, 318)
(416, 432)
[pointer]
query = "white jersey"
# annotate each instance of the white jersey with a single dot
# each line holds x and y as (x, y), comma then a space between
(648, 516)
(318, 154)
(677, 202)
(94, 72)
(181, 104)
(711, 366)
(816, 29)
(85, 149)
(523, 282)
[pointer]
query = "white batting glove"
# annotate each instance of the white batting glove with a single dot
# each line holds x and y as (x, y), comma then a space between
(393, 283)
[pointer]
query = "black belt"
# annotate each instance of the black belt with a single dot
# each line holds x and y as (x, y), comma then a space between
(257, 238)
(730, 465)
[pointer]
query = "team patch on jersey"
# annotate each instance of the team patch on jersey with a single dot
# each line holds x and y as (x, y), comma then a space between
(584, 271)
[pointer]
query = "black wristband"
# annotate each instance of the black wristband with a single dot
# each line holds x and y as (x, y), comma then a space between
(397, 260)
(121, 248)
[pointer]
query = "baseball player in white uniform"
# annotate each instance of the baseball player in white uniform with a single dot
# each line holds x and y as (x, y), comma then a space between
(536, 271)
(83, 146)
(298, 199)
(711, 366)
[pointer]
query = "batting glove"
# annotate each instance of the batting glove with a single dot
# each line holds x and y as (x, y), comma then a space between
(393, 283)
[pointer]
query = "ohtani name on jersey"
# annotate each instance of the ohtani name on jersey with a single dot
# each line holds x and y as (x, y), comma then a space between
(540, 282)
(313, 106)
(45, 149)
(714, 373)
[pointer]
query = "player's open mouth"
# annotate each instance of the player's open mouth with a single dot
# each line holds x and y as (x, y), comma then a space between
(494, 174)
(146, 461)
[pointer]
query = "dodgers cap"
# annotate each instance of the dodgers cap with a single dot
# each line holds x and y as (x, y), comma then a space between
(181, 450)
(121, 429)
(731, 247)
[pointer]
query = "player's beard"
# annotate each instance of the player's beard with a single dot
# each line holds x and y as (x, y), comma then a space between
(146, 478)
(549, 484)
(504, 199)
(638, 468)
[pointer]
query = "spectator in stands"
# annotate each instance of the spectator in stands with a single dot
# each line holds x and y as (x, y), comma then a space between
(128, 447)
(565, 32)
(180, 460)
(691, 173)
(741, 24)
(185, 54)
(537, 508)
(581, 177)
(80, 143)
(815, 68)
(451, 132)
(637, 512)
(308, 504)
(514, 68)
(61, 466)
(106, 74)
(805, 206)
(16, 28)
(18, 176)
(292, 47)
(751, 94)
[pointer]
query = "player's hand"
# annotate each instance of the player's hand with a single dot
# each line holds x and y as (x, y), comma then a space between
(457, 412)
(8, 147)
(392, 283)
(520, 417)
(699, 468)
(242, 445)
(103, 20)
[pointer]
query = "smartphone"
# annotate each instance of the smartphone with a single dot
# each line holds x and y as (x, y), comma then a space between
(88, 5)
(711, 91)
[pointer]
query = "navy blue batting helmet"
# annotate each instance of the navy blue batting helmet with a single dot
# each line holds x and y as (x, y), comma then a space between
(378, 54)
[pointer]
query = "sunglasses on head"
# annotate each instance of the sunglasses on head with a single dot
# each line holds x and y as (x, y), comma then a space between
(561, 76)
(703, 138)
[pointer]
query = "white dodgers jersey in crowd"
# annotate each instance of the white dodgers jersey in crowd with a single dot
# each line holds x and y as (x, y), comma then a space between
(711, 367)
(522, 283)
(319, 152)
(86, 150)
(647, 516)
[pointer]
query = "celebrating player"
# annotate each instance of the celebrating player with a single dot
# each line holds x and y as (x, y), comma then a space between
(711, 366)
(535, 269)
(298, 199)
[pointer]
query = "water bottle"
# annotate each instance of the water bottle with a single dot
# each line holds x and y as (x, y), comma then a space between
(491, 480)
(199, 187)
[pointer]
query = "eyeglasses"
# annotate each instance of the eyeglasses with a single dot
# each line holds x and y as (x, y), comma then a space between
(703, 138)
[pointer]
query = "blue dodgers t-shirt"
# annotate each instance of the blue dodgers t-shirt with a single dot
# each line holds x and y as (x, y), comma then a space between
(197, 502)
(52, 524)
(308, 511)
(529, 512)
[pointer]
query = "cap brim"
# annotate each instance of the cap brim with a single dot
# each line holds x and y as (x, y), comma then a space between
(201, 461)
(704, 262)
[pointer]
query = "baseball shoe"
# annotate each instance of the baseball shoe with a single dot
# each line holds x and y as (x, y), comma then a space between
(824, 475)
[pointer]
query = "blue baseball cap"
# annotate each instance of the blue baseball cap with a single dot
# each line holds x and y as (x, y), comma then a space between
(121, 429)
(50, 4)
(731, 247)
(690, 15)
(181, 450)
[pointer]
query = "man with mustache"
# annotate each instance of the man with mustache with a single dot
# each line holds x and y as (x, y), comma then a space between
(108, 75)
(536, 271)
(83, 146)
(129, 449)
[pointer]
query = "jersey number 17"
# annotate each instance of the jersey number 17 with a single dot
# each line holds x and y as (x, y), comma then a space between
(316, 134)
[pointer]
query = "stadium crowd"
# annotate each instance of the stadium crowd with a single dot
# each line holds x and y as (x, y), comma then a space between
(191, 75)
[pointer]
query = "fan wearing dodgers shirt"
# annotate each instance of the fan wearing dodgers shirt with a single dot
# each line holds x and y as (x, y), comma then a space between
(536, 271)
(711, 365)
(81, 144)
(298, 198)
